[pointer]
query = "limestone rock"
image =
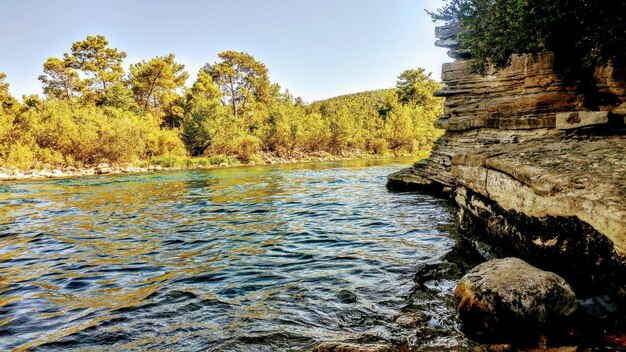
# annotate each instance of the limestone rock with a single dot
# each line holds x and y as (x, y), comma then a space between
(523, 182)
(585, 179)
(506, 294)
(577, 119)
(104, 170)
(447, 43)
(459, 54)
(435, 173)
(447, 31)
(446, 36)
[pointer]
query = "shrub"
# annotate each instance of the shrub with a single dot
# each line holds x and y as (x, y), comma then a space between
(168, 161)
(245, 147)
(222, 159)
(379, 146)
(67, 133)
(50, 157)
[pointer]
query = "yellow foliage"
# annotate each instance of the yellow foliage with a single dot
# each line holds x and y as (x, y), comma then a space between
(19, 156)
(61, 133)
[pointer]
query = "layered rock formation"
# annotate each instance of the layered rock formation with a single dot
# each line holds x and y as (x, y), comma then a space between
(539, 172)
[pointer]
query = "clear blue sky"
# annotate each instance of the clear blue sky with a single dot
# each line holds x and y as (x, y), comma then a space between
(315, 48)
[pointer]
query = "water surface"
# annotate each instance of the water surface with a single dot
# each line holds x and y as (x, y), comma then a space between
(239, 259)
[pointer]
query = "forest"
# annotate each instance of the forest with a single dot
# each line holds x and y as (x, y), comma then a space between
(94, 111)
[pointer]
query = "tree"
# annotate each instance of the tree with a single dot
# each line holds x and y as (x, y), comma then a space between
(97, 60)
(118, 95)
(155, 82)
(286, 123)
(7, 102)
(201, 125)
(60, 80)
(581, 33)
(399, 128)
(240, 77)
(415, 87)
(202, 115)
(204, 89)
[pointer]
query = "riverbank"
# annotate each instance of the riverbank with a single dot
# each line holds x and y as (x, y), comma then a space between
(174, 163)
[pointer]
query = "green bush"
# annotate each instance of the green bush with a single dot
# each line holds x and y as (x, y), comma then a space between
(201, 126)
(245, 147)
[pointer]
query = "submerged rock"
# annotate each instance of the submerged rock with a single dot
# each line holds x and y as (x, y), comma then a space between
(351, 347)
(501, 296)
(346, 296)
(411, 320)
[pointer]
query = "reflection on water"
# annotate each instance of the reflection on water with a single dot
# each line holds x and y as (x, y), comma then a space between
(247, 259)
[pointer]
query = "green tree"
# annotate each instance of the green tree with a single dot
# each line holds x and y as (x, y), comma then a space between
(119, 95)
(399, 129)
(204, 112)
(102, 64)
(201, 125)
(286, 124)
(580, 33)
(203, 89)
(240, 78)
(155, 82)
(60, 80)
(7, 106)
(7, 102)
(415, 87)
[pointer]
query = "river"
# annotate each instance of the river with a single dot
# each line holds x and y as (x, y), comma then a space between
(273, 258)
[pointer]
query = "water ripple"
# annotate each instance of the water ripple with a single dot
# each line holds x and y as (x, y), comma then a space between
(247, 259)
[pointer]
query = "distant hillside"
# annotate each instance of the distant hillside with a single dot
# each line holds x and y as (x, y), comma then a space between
(371, 98)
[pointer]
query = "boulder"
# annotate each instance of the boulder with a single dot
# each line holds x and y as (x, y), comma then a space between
(103, 170)
(505, 296)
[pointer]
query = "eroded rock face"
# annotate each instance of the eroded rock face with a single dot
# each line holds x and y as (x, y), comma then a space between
(506, 295)
(566, 245)
(583, 178)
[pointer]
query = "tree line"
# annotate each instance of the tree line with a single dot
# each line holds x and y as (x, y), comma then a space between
(94, 111)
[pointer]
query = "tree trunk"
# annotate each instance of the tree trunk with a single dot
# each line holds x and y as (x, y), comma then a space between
(152, 86)
(234, 98)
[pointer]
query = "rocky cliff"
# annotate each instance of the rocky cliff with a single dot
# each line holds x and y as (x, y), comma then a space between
(537, 165)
